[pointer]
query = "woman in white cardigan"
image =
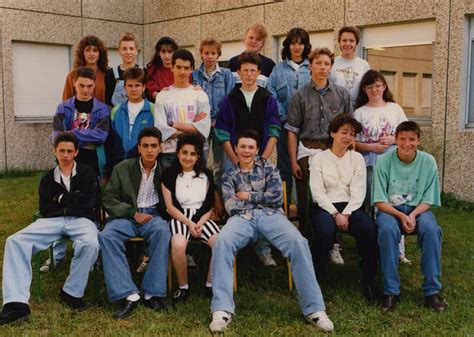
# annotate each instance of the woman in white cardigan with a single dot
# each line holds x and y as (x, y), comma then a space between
(338, 185)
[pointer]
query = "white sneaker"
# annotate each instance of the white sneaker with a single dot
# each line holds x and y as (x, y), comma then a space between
(220, 321)
(190, 261)
(47, 266)
(404, 259)
(335, 254)
(142, 267)
(267, 260)
(320, 320)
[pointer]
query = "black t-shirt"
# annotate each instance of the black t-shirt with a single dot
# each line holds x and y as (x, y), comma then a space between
(82, 121)
(266, 65)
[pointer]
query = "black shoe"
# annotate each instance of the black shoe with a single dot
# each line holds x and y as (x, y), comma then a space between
(75, 303)
(435, 302)
(389, 302)
(154, 303)
(180, 296)
(370, 293)
(126, 309)
(14, 311)
(208, 292)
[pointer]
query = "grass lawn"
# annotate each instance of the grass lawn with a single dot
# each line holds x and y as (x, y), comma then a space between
(264, 305)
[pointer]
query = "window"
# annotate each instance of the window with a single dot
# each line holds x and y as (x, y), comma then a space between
(404, 54)
(318, 40)
(229, 50)
(468, 120)
(39, 72)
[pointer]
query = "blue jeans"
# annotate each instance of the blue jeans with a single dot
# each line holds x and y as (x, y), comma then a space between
(39, 236)
(118, 277)
(238, 233)
(429, 239)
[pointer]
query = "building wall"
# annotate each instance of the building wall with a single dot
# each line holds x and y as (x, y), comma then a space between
(189, 21)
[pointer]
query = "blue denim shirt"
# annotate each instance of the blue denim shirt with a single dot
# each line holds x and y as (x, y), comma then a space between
(264, 184)
(285, 81)
(216, 87)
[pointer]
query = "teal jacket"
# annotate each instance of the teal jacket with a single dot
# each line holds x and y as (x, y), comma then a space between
(121, 192)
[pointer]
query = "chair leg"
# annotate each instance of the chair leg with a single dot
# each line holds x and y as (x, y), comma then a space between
(290, 276)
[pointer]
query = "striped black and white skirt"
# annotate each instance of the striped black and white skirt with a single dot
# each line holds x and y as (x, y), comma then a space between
(208, 229)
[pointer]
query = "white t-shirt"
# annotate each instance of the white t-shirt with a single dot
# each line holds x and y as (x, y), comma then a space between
(180, 105)
(378, 122)
(66, 181)
(248, 94)
(191, 191)
(333, 179)
(348, 74)
(133, 110)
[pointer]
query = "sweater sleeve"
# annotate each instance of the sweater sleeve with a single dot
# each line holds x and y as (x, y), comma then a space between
(223, 127)
(68, 91)
(204, 125)
(99, 133)
(358, 184)
(316, 184)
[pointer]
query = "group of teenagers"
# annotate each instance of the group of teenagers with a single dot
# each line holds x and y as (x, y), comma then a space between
(172, 145)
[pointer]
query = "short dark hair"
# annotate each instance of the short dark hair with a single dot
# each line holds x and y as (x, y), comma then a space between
(249, 133)
(343, 119)
(183, 54)
(86, 72)
(66, 137)
(349, 29)
(408, 126)
(369, 78)
(134, 73)
(151, 131)
(295, 35)
(197, 141)
(321, 51)
(248, 57)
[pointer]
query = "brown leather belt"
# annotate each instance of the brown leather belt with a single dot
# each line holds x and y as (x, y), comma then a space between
(315, 143)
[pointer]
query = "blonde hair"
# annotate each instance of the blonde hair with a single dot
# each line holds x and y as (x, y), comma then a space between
(259, 29)
(128, 37)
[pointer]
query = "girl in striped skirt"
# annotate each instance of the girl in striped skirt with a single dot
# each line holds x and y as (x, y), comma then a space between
(188, 192)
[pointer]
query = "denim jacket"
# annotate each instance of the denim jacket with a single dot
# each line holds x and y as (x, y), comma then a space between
(216, 87)
(264, 184)
(285, 81)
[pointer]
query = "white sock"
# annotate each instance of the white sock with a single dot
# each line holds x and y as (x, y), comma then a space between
(147, 297)
(208, 284)
(184, 287)
(133, 298)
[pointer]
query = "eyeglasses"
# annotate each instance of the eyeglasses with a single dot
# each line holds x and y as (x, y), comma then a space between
(375, 86)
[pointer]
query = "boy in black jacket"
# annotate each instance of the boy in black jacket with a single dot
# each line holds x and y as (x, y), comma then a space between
(68, 206)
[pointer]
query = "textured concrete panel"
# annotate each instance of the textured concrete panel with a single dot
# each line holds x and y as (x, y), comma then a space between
(2, 124)
(162, 10)
(28, 145)
(110, 32)
(459, 164)
(130, 11)
(186, 32)
(369, 12)
(230, 25)
(69, 7)
(209, 6)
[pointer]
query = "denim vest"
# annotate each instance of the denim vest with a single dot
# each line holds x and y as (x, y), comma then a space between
(120, 94)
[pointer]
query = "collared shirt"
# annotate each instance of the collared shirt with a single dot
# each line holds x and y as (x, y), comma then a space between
(311, 112)
(264, 184)
(147, 195)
